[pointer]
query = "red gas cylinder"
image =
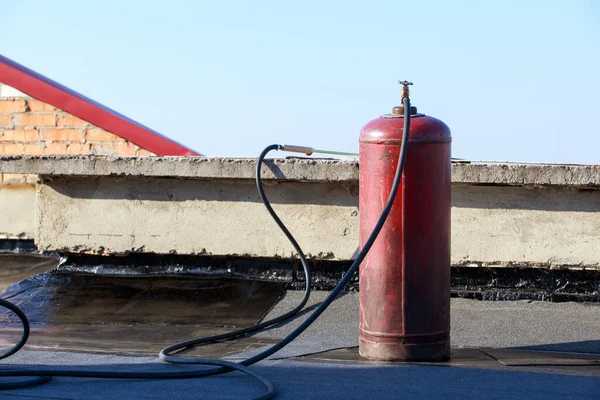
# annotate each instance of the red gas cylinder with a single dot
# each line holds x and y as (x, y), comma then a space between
(405, 278)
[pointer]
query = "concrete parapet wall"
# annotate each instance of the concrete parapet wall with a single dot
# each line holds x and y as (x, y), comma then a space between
(282, 169)
(500, 225)
(535, 215)
(17, 217)
(292, 168)
(166, 215)
(573, 176)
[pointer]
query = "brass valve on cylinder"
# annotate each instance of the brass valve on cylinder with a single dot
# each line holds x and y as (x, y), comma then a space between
(404, 93)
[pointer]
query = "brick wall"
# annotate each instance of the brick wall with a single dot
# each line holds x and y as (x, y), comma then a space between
(31, 127)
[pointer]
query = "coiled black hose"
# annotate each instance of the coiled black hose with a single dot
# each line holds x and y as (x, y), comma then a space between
(44, 375)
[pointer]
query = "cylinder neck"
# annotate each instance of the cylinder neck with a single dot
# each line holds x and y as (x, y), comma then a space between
(400, 110)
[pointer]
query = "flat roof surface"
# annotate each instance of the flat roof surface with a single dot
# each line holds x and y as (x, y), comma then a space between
(522, 349)
(305, 380)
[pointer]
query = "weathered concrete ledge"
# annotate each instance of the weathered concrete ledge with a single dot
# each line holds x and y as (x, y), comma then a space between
(576, 176)
(291, 168)
(502, 215)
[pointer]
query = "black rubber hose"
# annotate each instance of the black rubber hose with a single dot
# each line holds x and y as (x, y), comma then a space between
(36, 380)
(331, 297)
(166, 354)
(361, 255)
(26, 328)
(42, 375)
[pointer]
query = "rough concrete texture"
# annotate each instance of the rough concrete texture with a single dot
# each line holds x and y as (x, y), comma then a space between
(117, 215)
(500, 225)
(17, 203)
(536, 215)
(291, 168)
(516, 174)
(495, 225)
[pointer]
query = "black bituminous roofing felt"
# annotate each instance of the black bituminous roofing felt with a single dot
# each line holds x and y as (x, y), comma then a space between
(132, 315)
(92, 322)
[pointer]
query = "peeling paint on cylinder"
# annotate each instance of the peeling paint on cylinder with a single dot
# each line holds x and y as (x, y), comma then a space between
(405, 278)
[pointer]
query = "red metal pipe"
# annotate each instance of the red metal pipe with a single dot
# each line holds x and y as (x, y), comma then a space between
(57, 95)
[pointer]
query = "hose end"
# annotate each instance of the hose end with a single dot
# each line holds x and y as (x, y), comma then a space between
(297, 149)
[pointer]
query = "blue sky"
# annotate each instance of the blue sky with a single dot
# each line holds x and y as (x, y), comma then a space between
(514, 80)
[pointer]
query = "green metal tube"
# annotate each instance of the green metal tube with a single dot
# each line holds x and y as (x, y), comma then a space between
(339, 153)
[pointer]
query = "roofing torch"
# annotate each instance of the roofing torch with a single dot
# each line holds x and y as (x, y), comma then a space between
(309, 150)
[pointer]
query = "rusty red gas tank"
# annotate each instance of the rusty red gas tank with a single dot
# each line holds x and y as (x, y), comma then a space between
(405, 278)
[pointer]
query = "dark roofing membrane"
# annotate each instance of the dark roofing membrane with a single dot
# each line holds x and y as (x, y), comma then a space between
(90, 322)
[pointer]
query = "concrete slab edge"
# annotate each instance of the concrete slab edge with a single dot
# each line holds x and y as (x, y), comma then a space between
(291, 168)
